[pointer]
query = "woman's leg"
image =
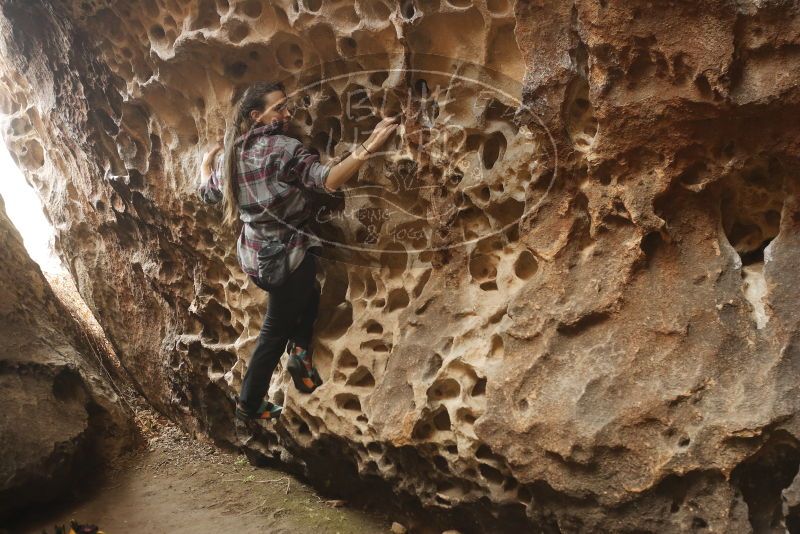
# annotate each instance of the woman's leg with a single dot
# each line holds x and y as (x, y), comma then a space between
(304, 329)
(286, 303)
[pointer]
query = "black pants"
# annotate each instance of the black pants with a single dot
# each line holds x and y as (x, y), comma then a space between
(291, 312)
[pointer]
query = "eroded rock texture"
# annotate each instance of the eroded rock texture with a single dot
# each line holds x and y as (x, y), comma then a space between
(59, 416)
(614, 348)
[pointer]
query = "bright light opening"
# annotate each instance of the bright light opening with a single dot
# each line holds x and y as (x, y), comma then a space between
(25, 210)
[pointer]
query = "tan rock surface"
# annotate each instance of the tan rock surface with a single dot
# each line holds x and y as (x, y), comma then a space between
(59, 416)
(602, 341)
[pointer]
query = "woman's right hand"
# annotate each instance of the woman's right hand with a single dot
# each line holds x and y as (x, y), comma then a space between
(347, 168)
(381, 133)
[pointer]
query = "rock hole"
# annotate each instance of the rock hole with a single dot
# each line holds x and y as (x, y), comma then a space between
(348, 401)
(483, 267)
(441, 464)
(347, 360)
(157, 32)
(302, 428)
(340, 320)
(479, 388)
(374, 327)
(424, 306)
(408, 9)
(650, 244)
(422, 431)
(395, 259)
(252, 8)
(496, 349)
(348, 46)
(703, 86)
(447, 388)
(290, 56)
(579, 115)
(238, 31)
(370, 287)
(493, 149)
(398, 298)
(432, 366)
(526, 265)
(583, 323)
(313, 5)
(750, 209)
(447, 344)
(488, 286)
(510, 484)
(68, 386)
(524, 494)
(421, 283)
(762, 477)
(484, 452)
(442, 421)
(492, 475)
(466, 416)
(694, 174)
(377, 78)
(361, 378)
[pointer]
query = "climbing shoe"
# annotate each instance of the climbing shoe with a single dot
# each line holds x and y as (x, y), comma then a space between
(266, 412)
(304, 375)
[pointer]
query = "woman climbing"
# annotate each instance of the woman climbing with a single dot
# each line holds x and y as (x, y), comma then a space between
(263, 179)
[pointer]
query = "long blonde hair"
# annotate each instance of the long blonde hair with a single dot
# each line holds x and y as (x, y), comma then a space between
(251, 100)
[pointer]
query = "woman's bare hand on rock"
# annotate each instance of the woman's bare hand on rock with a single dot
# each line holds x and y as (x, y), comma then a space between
(208, 160)
(345, 169)
(381, 133)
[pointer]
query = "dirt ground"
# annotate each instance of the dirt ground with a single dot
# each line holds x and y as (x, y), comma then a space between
(178, 484)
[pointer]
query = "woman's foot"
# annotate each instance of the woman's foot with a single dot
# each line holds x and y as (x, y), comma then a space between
(305, 377)
(267, 411)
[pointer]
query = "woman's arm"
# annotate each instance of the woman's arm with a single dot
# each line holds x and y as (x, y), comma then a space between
(210, 188)
(348, 167)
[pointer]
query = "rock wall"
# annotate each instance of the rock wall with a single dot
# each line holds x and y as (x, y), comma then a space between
(591, 322)
(59, 416)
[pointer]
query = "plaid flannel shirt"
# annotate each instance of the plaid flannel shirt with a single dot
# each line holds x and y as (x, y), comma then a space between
(273, 172)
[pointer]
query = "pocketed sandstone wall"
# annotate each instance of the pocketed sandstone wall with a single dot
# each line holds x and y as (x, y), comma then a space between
(595, 332)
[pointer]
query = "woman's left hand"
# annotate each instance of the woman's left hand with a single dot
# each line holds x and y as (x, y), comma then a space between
(208, 160)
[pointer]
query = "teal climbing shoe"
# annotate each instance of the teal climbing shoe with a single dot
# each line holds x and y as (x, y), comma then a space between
(304, 375)
(266, 412)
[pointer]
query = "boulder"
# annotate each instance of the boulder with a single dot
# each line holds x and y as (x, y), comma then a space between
(565, 300)
(60, 418)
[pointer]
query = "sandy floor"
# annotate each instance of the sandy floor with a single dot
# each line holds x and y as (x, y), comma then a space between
(181, 485)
